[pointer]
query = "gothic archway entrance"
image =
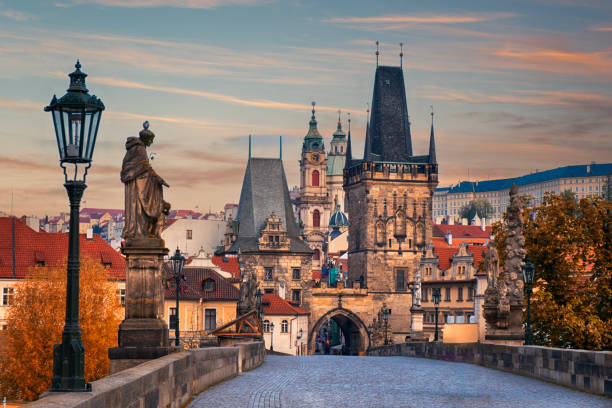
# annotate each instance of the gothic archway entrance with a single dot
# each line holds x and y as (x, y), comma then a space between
(355, 332)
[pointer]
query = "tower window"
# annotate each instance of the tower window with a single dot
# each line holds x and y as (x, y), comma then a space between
(316, 218)
(315, 178)
(317, 255)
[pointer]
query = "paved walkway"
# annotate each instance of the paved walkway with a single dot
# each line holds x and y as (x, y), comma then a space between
(355, 382)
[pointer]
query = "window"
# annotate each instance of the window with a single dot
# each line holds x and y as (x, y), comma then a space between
(209, 285)
(425, 291)
(296, 274)
(172, 315)
(121, 293)
(266, 326)
(400, 284)
(268, 290)
(316, 218)
(7, 296)
(210, 319)
(447, 298)
(428, 271)
(268, 274)
(315, 178)
(461, 270)
(189, 234)
(3, 327)
(284, 327)
(470, 294)
(317, 255)
(460, 294)
(296, 295)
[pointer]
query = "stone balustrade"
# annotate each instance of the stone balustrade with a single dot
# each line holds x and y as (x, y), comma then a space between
(169, 381)
(585, 370)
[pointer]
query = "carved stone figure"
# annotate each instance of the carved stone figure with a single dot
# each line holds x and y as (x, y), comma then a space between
(492, 264)
(248, 287)
(145, 208)
(416, 298)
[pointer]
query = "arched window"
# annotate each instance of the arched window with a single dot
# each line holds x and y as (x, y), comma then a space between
(284, 326)
(316, 218)
(317, 255)
(315, 178)
(266, 326)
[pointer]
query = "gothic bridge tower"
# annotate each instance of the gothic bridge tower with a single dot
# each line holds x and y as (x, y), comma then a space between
(389, 193)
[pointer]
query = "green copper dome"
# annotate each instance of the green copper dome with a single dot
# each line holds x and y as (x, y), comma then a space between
(339, 135)
(338, 219)
(313, 142)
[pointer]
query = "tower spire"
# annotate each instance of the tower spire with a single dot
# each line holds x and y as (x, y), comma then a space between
(349, 151)
(367, 149)
(432, 143)
(249, 147)
(349, 121)
(377, 54)
(280, 154)
(401, 54)
(339, 123)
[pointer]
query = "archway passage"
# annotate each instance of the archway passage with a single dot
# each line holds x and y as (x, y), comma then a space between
(354, 331)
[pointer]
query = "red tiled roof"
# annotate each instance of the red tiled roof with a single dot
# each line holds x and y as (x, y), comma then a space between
(52, 248)
(193, 289)
(228, 264)
(445, 252)
(101, 211)
(169, 222)
(275, 305)
(461, 231)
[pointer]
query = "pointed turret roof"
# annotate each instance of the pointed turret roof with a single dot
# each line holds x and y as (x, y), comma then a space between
(313, 142)
(432, 143)
(264, 191)
(339, 135)
(349, 151)
(389, 130)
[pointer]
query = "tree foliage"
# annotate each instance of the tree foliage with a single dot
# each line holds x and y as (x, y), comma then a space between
(36, 319)
(482, 207)
(568, 241)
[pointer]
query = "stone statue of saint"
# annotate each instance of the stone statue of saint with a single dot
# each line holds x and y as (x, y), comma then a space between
(416, 298)
(145, 208)
(492, 264)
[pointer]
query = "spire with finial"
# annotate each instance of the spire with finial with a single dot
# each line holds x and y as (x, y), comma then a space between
(349, 121)
(280, 155)
(401, 54)
(349, 151)
(432, 143)
(377, 54)
(313, 140)
(367, 148)
(249, 147)
(339, 124)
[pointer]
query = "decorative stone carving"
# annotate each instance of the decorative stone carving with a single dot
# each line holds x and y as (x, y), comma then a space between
(503, 306)
(248, 287)
(416, 294)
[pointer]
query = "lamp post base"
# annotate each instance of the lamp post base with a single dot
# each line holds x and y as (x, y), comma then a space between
(68, 366)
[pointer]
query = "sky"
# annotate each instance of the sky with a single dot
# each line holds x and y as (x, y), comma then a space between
(516, 86)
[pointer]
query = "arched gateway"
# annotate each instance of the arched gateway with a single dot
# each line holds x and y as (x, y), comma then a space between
(355, 332)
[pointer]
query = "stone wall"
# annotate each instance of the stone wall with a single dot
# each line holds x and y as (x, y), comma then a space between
(585, 370)
(169, 381)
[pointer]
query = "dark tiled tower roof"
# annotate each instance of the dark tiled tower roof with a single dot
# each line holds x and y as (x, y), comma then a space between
(432, 144)
(389, 136)
(313, 141)
(264, 191)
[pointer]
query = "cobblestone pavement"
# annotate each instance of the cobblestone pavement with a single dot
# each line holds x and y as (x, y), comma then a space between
(343, 381)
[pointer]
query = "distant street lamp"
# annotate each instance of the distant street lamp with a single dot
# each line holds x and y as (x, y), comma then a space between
(76, 118)
(436, 299)
(528, 276)
(271, 336)
(386, 313)
(178, 261)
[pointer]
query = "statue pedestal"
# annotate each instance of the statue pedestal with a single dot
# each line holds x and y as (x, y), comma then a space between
(416, 323)
(143, 335)
(512, 334)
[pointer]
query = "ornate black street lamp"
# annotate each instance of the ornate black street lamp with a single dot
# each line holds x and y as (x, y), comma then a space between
(436, 299)
(528, 276)
(386, 313)
(76, 118)
(271, 336)
(178, 261)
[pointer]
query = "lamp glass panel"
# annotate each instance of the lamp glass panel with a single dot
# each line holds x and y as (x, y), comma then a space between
(59, 133)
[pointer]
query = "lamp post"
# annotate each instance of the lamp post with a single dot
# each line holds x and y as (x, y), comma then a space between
(386, 313)
(178, 261)
(76, 118)
(271, 336)
(436, 299)
(528, 276)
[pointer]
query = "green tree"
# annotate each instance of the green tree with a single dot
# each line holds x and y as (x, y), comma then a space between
(568, 241)
(482, 207)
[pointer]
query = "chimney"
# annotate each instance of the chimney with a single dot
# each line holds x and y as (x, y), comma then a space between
(483, 225)
(449, 238)
(89, 234)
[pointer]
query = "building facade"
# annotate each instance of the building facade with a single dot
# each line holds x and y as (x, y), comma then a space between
(587, 180)
(285, 325)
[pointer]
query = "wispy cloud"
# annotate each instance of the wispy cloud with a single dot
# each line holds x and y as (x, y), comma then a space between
(17, 15)
(27, 105)
(261, 103)
(192, 4)
(423, 19)
(601, 28)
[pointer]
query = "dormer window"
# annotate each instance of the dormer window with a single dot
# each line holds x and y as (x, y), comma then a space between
(209, 285)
